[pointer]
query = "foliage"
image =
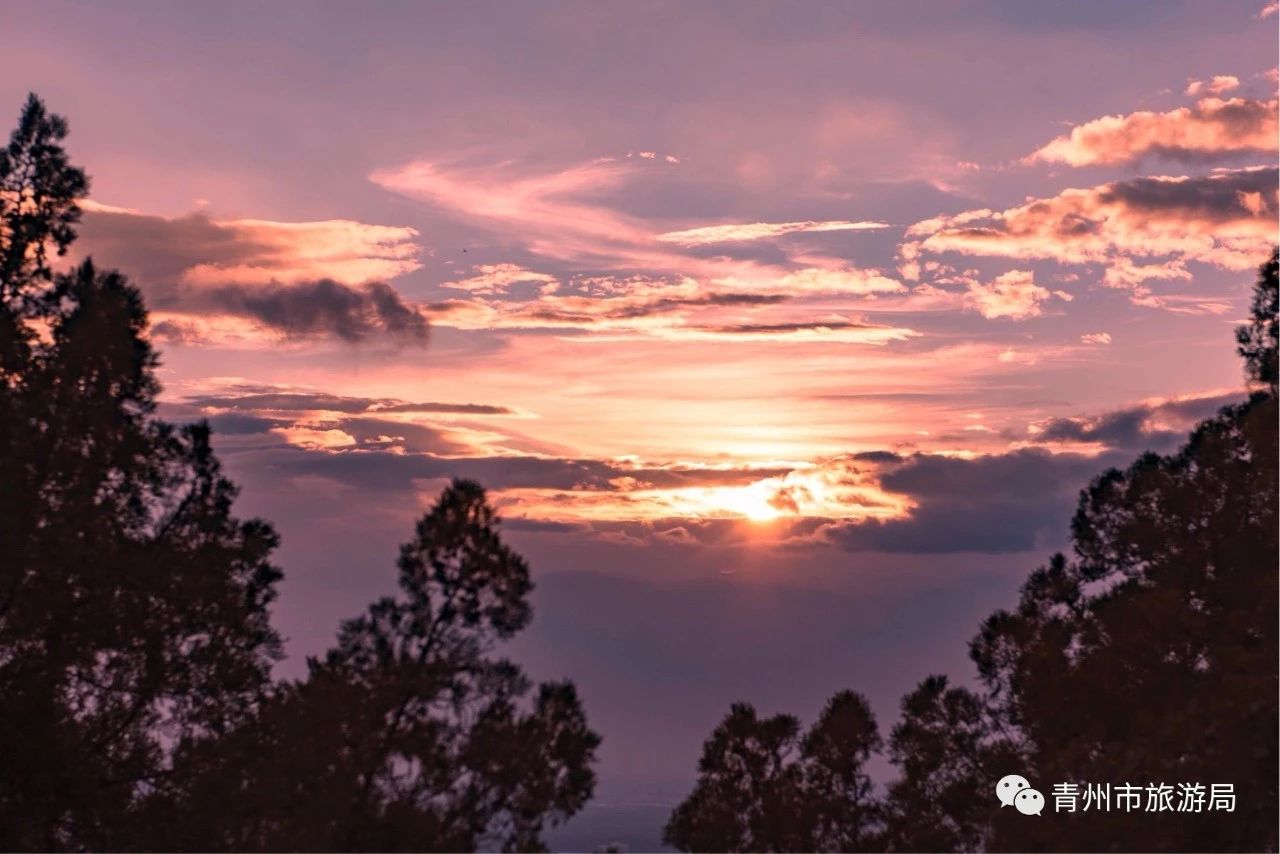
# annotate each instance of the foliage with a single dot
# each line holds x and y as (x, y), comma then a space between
(763, 787)
(133, 605)
(1257, 340)
(407, 735)
(1149, 656)
(137, 708)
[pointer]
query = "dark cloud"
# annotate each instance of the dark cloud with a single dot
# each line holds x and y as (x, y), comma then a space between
(735, 299)
(784, 328)
(174, 332)
(304, 401)
(238, 424)
(1125, 428)
(1226, 218)
(999, 503)
(649, 308)
(380, 470)
(1198, 408)
(302, 279)
(1208, 201)
(158, 251)
(444, 308)
(445, 408)
(323, 307)
(1212, 129)
(1134, 428)
(877, 457)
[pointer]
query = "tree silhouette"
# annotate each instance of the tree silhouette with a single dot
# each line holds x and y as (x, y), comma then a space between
(406, 735)
(1164, 627)
(947, 741)
(1149, 656)
(137, 709)
(133, 605)
(1257, 340)
(762, 787)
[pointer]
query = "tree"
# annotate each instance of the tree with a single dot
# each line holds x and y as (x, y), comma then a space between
(946, 745)
(762, 787)
(1257, 340)
(137, 708)
(1164, 625)
(133, 605)
(1149, 656)
(407, 735)
(846, 816)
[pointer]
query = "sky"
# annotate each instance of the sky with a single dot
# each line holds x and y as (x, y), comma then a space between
(783, 335)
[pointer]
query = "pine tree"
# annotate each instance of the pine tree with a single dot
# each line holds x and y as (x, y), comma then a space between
(408, 735)
(133, 605)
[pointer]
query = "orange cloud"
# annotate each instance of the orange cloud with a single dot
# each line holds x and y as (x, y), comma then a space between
(1212, 127)
(834, 280)
(1124, 273)
(1226, 219)
(1014, 295)
(197, 249)
(260, 283)
(1215, 86)
(342, 250)
(838, 488)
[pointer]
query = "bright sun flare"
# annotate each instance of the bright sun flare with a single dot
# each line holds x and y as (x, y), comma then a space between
(756, 502)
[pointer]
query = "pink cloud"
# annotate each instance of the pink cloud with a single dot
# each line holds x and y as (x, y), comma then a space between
(559, 215)
(1214, 86)
(497, 278)
(564, 216)
(1212, 127)
(731, 232)
(198, 249)
(1124, 273)
(671, 310)
(1226, 219)
(1014, 295)
(542, 210)
(342, 250)
(831, 279)
(257, 283)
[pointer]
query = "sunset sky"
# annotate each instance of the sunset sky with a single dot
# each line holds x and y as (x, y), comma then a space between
(783, 334)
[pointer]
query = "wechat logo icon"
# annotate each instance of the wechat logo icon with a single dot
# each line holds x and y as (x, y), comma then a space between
(1014, 790)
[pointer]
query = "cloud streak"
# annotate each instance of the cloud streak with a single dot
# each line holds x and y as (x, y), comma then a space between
(269, 399)
(731, 310)
(737, 232)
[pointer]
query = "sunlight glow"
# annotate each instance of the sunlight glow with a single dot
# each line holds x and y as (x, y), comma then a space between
(834, 489)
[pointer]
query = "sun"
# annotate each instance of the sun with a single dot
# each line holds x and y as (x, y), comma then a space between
(754, 502)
